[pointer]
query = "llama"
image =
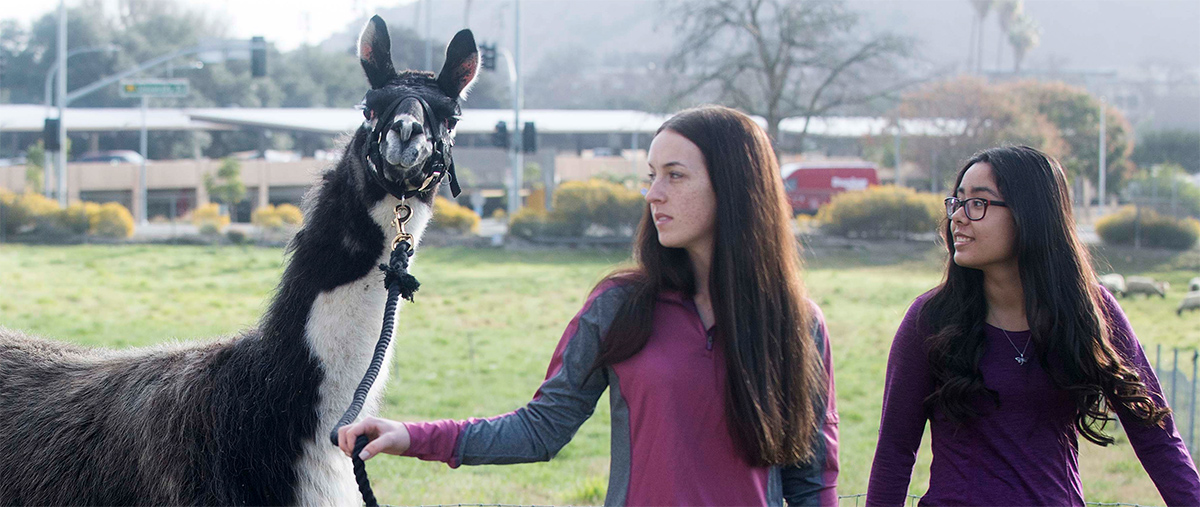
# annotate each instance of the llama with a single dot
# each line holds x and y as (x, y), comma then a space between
(243, 420)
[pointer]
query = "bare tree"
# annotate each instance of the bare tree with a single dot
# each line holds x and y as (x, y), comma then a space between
(784, 58)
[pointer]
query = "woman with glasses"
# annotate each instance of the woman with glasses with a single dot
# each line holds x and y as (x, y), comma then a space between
(718, 367)
(1017, 353)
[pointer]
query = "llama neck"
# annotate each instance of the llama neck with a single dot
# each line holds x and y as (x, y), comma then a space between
(330, 302)
(344, 324)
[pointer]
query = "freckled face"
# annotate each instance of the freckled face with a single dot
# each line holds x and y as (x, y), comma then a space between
(980, 244)
(682, 201)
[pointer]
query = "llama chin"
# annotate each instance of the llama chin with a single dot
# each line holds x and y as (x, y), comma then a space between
(242, 420)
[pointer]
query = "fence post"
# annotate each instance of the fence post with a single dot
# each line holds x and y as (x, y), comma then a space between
(1174, 377)
(1192, 422)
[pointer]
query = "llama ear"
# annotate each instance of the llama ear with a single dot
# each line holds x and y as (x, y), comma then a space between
(375, 53)
(462, 65)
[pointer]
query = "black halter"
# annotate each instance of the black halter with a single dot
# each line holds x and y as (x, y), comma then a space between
(437, 166)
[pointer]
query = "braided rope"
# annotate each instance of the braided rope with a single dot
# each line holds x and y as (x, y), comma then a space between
(400, 284)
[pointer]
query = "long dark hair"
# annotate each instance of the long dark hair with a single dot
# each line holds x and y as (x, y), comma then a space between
(775, 384)
(1063, 304)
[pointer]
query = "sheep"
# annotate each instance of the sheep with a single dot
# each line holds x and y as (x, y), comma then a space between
(1114, 282)
(1191, 301)
(1147, 286)
(1194, 284)
(243, 420)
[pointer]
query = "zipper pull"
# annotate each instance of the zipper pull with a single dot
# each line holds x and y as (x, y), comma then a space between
(709, 334)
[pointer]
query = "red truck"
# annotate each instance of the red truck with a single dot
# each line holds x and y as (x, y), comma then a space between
(811, 184)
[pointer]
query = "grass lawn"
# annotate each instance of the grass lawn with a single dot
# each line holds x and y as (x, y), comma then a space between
(479, 337)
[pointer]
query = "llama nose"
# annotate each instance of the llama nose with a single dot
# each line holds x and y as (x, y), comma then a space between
(407, 127)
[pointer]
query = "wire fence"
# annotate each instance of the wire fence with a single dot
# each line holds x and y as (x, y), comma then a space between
(843, 501)
(1179, 388)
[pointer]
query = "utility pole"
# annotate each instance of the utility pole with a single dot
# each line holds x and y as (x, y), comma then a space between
(62, 102)
(1103, 176)
(896, 150)
(141, 207)
(429, 36)
(518, 156)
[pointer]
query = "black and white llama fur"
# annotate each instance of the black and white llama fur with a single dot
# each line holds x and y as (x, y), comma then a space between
(243, 420)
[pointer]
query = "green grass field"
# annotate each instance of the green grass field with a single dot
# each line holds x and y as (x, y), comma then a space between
(477, 342)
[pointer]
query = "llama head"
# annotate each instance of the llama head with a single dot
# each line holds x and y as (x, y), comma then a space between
(418, 107)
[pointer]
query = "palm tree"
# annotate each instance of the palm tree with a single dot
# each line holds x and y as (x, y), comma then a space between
(1023, 35)
(1007, 12)
(982, 8)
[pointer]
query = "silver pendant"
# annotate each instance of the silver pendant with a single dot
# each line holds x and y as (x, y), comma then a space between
(1020, 360)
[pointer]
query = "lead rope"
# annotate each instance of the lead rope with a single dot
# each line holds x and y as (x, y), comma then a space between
(399, 284)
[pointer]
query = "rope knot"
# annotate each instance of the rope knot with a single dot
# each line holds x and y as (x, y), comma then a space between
(396, 272)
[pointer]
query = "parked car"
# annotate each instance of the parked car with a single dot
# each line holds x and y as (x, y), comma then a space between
(811, 184)
(112, 156)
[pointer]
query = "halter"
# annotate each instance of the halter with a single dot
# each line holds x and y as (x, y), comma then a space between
(437, 166)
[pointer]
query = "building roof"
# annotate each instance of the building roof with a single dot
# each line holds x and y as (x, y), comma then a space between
(30, 118)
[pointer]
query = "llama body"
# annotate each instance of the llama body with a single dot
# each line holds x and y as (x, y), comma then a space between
(243, 420)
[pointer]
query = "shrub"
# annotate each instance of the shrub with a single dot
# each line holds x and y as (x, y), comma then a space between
(208, 217)
(880, 212)
(77, 217)
(26, 210)
(237, 237)
(267, 217)
(290, 214)
(1156, 231)
(580, 205)
(449, 216)
(529, 222)
(112, 220)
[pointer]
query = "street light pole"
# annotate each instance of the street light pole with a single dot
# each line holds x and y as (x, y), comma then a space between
(518, 158)
(48, 161)
(62, 102)
(141, 207)
(1103, 156)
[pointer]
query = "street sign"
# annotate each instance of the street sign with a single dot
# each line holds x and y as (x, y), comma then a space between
(154, 88)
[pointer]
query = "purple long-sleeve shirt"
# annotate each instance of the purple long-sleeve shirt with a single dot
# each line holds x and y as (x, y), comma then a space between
(1026, 451)
(670, 441)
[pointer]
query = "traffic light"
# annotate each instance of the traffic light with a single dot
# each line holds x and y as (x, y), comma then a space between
(258, 57)
(487, 56)
(50, 135)
(529, 138)
(500, 136)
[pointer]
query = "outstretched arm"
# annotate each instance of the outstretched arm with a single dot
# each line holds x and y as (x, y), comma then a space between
(1160, 449)
(907, 383)
(534, 432)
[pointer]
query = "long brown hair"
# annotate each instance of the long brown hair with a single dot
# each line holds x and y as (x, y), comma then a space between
(1063, 303)
(775, 383)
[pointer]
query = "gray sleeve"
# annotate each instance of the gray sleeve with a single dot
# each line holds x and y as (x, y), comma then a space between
(812, 483)
(564, 401)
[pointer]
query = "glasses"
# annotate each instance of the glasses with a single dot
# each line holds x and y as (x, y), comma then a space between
(975, 208)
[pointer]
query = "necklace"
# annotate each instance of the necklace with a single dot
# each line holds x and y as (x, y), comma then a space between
(1020, 353)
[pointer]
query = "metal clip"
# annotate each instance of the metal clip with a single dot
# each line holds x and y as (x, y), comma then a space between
(403, 213)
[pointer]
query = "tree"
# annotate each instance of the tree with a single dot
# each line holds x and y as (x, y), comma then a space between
(965, 115)
(784, 58)
(1076, 115)
(1180, 147)
(982, 8)
(226, 187)
(1023, 35)
(1007, 12)
(35, 160)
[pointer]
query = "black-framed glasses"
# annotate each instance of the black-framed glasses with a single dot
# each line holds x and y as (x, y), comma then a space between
(975, 207)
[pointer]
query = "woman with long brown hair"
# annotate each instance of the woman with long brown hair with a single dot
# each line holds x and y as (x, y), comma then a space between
(1015, 354)
(720, 370)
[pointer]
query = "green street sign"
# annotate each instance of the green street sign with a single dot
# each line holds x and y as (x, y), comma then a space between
(154, 88)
